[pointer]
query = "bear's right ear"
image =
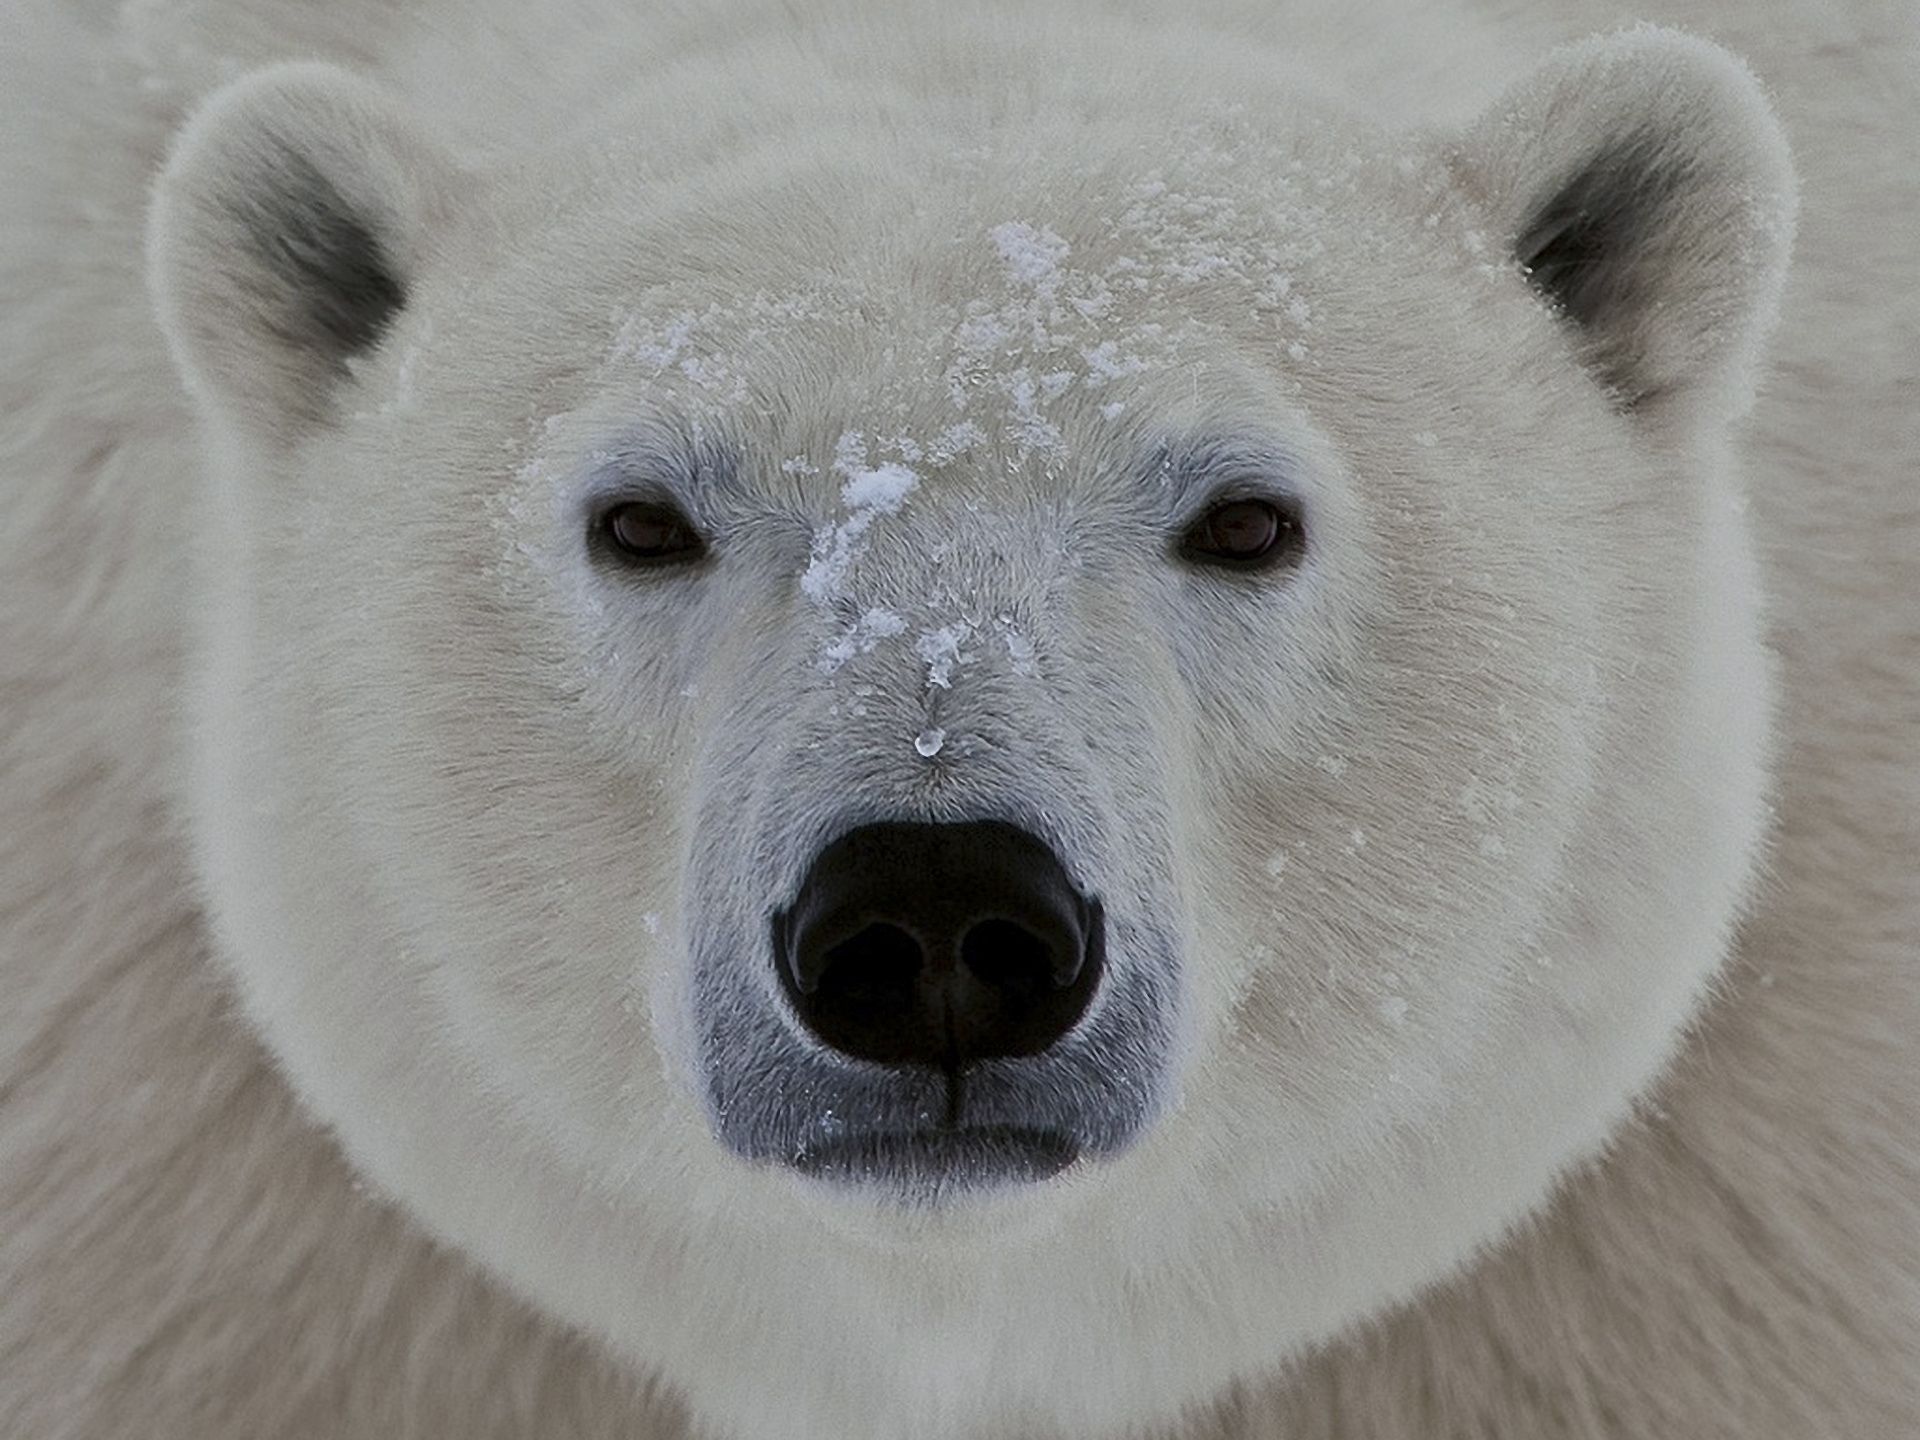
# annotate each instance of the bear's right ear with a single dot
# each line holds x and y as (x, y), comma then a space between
(1643, 186)
(284, 237)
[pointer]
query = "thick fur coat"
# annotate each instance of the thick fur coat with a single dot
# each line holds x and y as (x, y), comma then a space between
(1675, 1191)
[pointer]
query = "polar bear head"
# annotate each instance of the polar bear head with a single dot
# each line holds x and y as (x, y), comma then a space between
(934, 772)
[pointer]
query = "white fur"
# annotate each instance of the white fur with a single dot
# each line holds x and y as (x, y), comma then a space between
(1487, 1123)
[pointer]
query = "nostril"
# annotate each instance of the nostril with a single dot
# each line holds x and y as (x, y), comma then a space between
(876, 967)
(1013, 960)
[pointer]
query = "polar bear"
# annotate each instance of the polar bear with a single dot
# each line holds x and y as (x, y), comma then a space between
(950, 721)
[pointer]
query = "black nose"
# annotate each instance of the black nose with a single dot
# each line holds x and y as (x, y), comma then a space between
(939, 944)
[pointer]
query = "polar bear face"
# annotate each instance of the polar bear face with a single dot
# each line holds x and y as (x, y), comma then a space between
(1193, 713)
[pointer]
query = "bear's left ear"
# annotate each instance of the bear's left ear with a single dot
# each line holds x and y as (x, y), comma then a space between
(1644, 186)
(284, 238)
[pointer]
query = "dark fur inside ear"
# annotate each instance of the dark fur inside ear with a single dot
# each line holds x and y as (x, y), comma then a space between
(1595, 246)
(1579, 246)
(334, 286)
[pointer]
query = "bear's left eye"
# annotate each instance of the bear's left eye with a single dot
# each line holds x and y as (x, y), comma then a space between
(648, 533)
(1250, 533)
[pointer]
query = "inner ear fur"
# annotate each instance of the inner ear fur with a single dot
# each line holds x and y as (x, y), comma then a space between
(1643, 186)
(284, 237)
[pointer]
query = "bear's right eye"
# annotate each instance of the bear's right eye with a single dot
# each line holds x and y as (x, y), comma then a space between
(647, 533)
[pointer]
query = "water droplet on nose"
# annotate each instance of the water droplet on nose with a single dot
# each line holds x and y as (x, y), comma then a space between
(928, 742)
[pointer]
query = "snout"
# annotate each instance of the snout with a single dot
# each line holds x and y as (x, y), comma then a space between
(934, 1008)
(937, 945)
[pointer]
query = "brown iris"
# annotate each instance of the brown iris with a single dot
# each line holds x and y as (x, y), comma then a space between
(1247, 532)
(651, 533)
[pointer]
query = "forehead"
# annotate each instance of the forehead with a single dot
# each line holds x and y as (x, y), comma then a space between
(1090, 214)
(1013, 299)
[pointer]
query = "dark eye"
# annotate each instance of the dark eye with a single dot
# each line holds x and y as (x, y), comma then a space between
(651, 534)
(1250, 533)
